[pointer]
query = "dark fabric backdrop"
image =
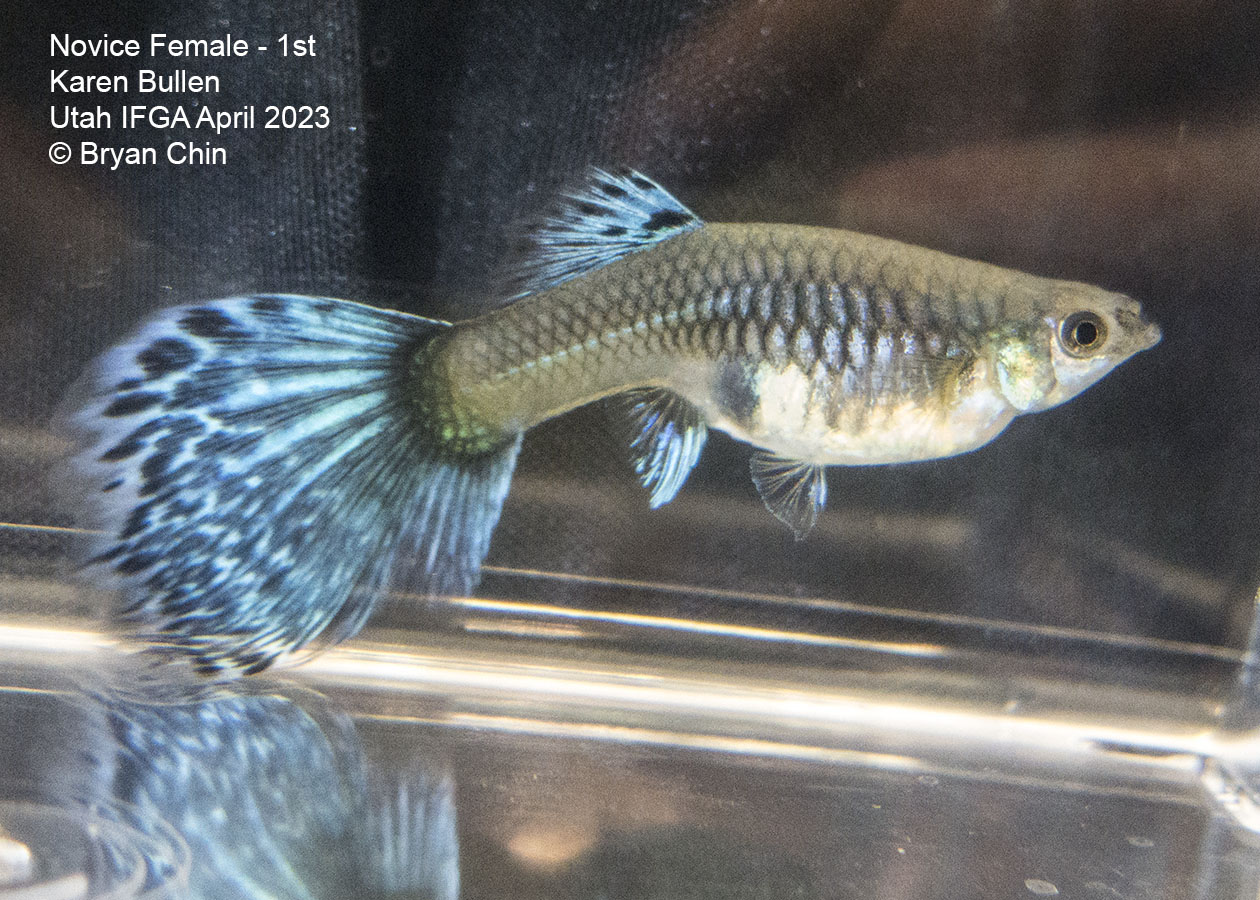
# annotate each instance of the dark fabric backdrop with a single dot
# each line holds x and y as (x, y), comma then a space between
(1114, 143)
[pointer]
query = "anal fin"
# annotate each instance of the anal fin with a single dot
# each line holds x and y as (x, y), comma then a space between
(666, 436)
(793, 491)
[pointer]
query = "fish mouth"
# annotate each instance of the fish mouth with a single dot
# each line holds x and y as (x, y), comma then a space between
(1132, 319)
(1151, 336)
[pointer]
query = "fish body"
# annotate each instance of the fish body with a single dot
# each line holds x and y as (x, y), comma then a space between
(816, 344)
(262, 467)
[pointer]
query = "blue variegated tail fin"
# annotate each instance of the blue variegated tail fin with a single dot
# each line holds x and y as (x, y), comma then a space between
(258, 471)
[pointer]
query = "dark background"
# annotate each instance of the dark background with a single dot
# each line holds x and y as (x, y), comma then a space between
(1112, 142)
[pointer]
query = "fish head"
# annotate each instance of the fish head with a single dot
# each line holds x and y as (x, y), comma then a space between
(1082, 333)
(1093, 331)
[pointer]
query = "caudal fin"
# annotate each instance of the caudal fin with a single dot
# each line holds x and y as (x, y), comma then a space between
(258, 471)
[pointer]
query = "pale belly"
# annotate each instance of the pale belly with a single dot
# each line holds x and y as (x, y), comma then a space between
(796, 417)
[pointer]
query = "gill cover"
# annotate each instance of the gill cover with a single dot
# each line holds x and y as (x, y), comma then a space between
(1025, 369)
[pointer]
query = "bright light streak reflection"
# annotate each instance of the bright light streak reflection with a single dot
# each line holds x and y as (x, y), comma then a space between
(887, 613)
(765, 713)
(676, 705)
(684, 696)
(45, 639)
(621, 734)
(696, 626)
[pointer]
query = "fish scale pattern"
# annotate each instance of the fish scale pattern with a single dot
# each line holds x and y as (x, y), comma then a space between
(749, 295)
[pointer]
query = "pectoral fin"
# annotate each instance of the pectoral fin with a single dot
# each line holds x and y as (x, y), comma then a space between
(666, 436)
(793, 491)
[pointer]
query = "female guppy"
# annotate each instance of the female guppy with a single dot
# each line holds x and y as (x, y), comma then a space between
(261, 467)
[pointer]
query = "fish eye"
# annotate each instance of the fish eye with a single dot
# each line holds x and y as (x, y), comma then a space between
(1083, 333)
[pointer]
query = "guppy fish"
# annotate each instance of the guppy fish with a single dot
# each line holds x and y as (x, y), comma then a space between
(261, 467)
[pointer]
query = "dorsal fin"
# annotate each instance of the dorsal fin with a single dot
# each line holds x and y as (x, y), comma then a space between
(609, 216)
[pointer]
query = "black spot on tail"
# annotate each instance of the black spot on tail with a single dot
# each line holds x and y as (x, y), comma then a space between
(593, 209)
(208, 322)
(253, 663)
(154, 468)
(166, 356)
(137, 562)
(267, 305)
(666, 218)
(203, 667)
(137, 522)
(129, 404)
(124, 450)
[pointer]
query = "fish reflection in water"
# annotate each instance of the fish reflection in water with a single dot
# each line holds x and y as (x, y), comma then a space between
(276, 797)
